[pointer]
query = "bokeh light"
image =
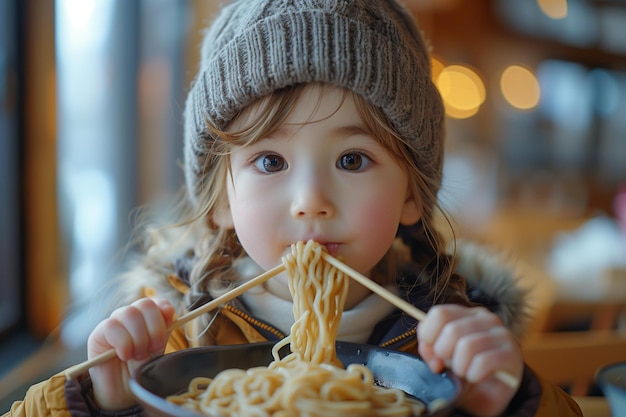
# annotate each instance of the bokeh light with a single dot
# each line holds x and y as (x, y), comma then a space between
(554, 9)
(462, 90)
(520, 87)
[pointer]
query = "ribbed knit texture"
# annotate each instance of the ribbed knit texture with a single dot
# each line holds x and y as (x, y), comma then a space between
(369, 46)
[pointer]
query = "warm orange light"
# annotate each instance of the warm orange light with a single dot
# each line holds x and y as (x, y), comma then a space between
(520, 87)
(554, 9)
(436, 68)
(462, 91)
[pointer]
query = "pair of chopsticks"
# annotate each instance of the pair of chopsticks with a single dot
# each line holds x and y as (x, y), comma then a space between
(387, 295)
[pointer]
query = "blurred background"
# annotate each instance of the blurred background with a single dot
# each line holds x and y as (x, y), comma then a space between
(91, 97)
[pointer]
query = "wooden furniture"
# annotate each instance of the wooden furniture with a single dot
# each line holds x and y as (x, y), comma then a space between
(594, 406)
(571, 359)
(577, 329)
(571, 315)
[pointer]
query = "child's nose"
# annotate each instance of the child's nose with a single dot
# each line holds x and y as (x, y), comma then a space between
(312, 200)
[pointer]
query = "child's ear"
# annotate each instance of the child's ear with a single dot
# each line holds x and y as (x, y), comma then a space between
(411, 212)
(223, 218)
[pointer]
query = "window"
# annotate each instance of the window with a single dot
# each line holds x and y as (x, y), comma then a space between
(10, 234)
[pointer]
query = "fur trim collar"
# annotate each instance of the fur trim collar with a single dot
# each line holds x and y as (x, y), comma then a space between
(487, 271)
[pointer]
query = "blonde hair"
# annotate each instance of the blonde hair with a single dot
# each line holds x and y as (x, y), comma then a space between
(211, 251)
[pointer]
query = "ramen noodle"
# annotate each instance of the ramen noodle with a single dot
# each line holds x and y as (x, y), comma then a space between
(310, 381)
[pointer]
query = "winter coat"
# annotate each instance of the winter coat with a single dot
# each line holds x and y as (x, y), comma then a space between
(489, 283)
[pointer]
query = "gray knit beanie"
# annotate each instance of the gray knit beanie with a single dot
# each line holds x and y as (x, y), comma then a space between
(371, 47)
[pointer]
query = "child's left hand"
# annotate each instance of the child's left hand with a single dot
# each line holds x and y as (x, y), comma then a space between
(474, 344)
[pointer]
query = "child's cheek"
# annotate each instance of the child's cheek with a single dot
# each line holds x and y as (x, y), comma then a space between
(379, 219)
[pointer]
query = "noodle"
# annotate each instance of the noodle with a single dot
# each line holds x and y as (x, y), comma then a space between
(310, 381)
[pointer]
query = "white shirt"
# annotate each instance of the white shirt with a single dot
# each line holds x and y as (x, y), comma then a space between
(356, 324)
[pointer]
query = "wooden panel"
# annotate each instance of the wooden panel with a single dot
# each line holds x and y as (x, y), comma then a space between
(46, 287)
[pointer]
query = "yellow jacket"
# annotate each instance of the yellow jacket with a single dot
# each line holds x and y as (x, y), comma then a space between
(58, 397)
(488, 284)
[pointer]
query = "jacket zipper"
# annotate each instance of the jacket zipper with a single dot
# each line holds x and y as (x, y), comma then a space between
(254, 322)
(399, 338)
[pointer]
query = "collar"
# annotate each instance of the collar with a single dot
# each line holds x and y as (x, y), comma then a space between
(356, 324)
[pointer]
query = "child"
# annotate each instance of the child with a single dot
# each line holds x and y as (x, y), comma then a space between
(313, 120)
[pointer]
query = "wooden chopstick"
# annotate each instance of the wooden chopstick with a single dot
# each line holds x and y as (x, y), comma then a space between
(403, 305)
(82, 367)
(374, 287)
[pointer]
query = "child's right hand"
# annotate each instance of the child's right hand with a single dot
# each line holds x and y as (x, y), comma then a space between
(137, 332)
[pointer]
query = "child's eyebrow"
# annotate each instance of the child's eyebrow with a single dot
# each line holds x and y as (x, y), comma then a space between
(290, 129)
(352, 130)
(345, 132)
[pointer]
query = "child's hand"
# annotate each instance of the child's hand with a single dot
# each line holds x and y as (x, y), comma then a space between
(474, 344)
(137, 332)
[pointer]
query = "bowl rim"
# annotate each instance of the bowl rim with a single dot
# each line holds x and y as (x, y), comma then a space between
(173, 409)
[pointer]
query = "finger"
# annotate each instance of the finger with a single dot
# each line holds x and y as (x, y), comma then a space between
(503, 356)
(428, 356)
(167, 309)
(150, 330)
(438, 316)
(111, 334)
(473, 321)
(132, 319)
(155, 323)
(469, 347)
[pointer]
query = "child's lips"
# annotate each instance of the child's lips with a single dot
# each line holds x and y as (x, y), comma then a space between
(332, 248)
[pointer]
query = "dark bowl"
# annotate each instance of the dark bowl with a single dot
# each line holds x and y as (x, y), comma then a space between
(612, 381)
(170, 374)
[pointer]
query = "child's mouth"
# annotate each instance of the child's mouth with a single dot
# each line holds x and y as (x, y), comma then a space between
(332, 248)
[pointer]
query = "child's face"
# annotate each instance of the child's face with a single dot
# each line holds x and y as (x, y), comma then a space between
(320, 176)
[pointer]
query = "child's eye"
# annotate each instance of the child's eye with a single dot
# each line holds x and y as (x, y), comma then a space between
(270, 163)
(353, 161)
